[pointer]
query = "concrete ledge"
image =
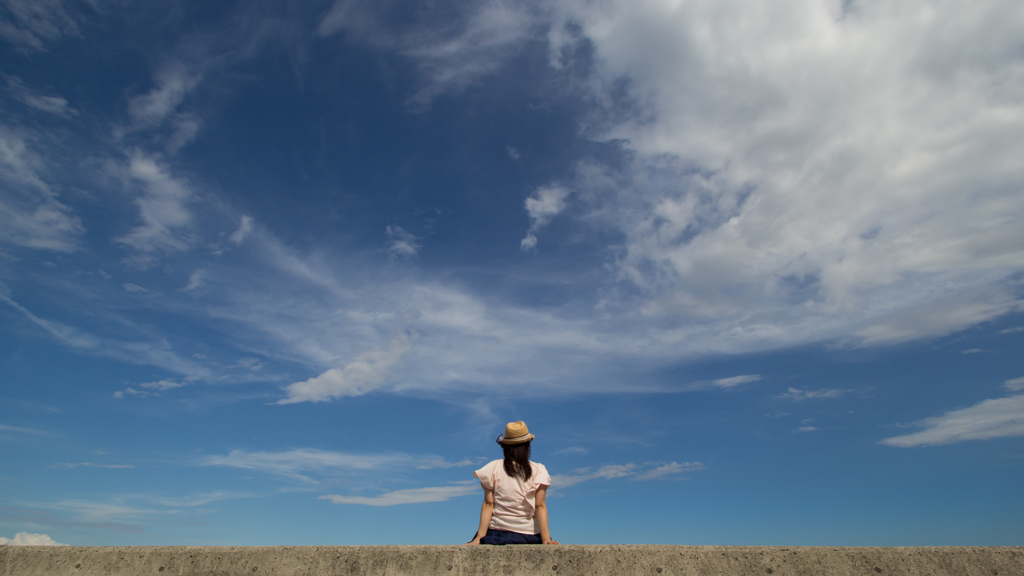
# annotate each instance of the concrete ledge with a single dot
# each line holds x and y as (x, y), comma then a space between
(510, 561)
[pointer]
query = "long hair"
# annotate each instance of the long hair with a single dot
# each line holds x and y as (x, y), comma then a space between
(517, 460)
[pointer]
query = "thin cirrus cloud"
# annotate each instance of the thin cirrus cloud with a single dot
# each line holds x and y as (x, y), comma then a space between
(797, 395)
(730, 383)
(163, 209)
(33, 24)
(33, 215)
(91, 465)
(304, 463)
(450, 53)
(647, 471)
(996, 418)
(407, 496)
(37, 100)
(401, 243)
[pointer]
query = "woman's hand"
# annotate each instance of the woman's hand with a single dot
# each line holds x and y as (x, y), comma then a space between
(473, 542)
(554, 542)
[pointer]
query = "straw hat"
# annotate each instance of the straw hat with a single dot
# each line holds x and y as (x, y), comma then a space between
(515, 433)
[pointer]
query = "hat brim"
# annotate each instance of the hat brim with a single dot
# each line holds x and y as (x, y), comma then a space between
(518, 440)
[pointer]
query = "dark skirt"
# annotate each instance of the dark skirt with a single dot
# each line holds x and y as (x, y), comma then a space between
(502, 537)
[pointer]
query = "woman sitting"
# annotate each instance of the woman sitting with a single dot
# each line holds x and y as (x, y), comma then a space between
(514, 509)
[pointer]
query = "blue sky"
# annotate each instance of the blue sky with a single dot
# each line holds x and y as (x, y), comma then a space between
(279, 272)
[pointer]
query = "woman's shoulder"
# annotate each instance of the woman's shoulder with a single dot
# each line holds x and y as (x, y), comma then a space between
(486, 468)
(540, 472)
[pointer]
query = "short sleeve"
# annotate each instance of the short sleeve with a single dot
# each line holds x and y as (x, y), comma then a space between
(540, 477)
(486, 475)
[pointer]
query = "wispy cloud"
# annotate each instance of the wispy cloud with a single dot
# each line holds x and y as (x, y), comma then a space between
(90, 465)
(669, 469)
(37, 100)
(401, 243)
(797, 395)
(132, 392)
(298, 463)
(428, 464)
(545, 203)
(24, 430)
(30, 24)
(450, 54)
(244, 229)
(163, 209)
(997, 418)
(729, 383)
(196, 279)
(1014, 384)
(364, 373)
(173, 81)
(647, 471)
(33, 215)
(408, 496)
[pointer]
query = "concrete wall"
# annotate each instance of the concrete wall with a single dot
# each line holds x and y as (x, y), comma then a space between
(511, 561)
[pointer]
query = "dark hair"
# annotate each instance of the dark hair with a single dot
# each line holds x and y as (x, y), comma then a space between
(517, 460)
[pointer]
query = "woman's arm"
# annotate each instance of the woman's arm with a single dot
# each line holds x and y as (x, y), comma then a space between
(485, 516)
(541, 514)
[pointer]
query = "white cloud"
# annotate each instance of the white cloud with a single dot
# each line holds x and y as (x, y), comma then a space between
(27, 539)
(806, 429)
(244, 229)
(729, 383)
(734, 381)
(998, 418)
(798, 395)
(162, 385)
(163, 208)
(129, 287)
(545, 203)
(298, 463)
(513, 153)
(632, 471)
(34, 99)
(22, 430)
(32, 215)
(29, 24)
(364, 373)
(91, 465)
(196, 279)
(668, 470)
(794, 168)
(173, 82)
(400, 242)
(440, 463)
(185, 129)
(408, 496)
(132, 392)
(1012, 330)
(1015, 384)
(972, 351)
(452, 52)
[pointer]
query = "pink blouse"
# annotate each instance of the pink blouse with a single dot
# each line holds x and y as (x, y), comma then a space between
(514, 500)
